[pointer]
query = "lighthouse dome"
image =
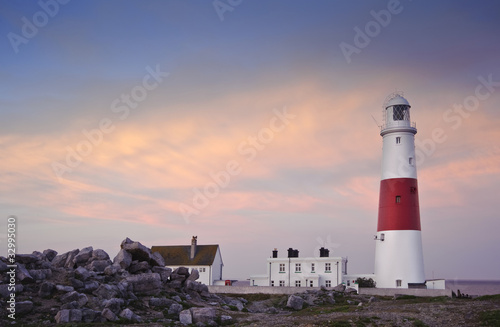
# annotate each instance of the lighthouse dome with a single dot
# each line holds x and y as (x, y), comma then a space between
(397, 100)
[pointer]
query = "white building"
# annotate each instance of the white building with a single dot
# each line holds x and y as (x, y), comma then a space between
(206, 259)
(294, 271)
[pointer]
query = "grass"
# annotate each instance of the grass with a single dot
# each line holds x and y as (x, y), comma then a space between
(490, 318)
(488, 297)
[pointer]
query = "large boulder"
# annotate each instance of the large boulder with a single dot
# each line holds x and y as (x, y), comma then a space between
(185, 317)
(203, 315)
(123, 259)
(23, 275)
(157, 260)
(46, 290)
(109, 315)
(145, 283)
(339, 288)
(99, 265)
(50, 254)
(106, 291)
(26, 259)
(139, 267)
(82, 274)
(99, 254)
(68, 315)
(194, 275)
(83, 256)
(295, 302)
(137, 250)
(40, 274)
(70, 261)
(130, 315)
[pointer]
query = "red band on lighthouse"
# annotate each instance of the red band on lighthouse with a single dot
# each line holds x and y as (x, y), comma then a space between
(398, 205)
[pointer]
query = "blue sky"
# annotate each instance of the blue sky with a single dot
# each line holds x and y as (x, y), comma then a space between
(314, 182)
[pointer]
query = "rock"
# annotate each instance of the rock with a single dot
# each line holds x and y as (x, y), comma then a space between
(113, 304)
(203, 315)
(350, 290)
(69, 297)
(145, 283)
(50, 254)
(177, 298)
(137, 250)
(89, 315)
(160, 302)
(194, 275)
(164, 272)
(82, 300)
(99, 254)
(108, 314)
(70, 305)
(185, 317)
(23, 275)
(123, 259)
(105, 291)
(76, 283)
(40, 257)
(99, 265)
(46, 290)
(111, 270)
(136, 267)
(360, 304)
(175, 309)
(372, 299)
(82, 273)
(59, 261)
(157, 260)
(64, 288)
(339, 288)
(62, 316)
(129, 315)
(68, 315)
(40, 274)
(71, 257)
(26, 259)
(182, 271)
(24, 307)
(3, 266)
(227, 320)
(295, 302)
(83, 256)
(351, 302)
(5, 292)
(90, 287)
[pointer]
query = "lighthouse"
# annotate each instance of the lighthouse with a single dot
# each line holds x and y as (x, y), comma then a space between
(399, 259)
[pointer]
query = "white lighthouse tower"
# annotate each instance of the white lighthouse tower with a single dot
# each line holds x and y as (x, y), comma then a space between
(398, 252)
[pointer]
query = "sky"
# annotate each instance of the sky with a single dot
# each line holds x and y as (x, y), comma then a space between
(250, 124)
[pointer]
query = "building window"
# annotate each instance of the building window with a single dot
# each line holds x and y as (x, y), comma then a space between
(312, 267)
(272, 283)
(398, 282)
(201, 270)
(298, 267)
(328, 267)
(297, 283)
(282, 267)
(282, 283)
(311, 283)
(328, 283)
(398, 198)
(398, 140)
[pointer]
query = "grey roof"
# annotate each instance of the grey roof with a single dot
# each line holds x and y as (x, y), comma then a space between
(178, 255)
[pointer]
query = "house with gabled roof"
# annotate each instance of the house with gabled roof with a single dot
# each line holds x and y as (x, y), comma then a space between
(206, 259)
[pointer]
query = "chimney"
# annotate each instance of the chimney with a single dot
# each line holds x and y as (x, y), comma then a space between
(193, 247)
(293, 253)
(275, 253)
(324, 253)
(290, 253)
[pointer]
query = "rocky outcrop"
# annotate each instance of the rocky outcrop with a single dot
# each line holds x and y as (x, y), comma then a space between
(86, 286)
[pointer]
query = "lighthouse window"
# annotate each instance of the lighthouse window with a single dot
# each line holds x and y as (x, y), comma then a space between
(398, 198)
(398, 140)
(400, 112)
(411, 161)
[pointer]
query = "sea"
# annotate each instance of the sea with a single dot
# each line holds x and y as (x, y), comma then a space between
(474, 287)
